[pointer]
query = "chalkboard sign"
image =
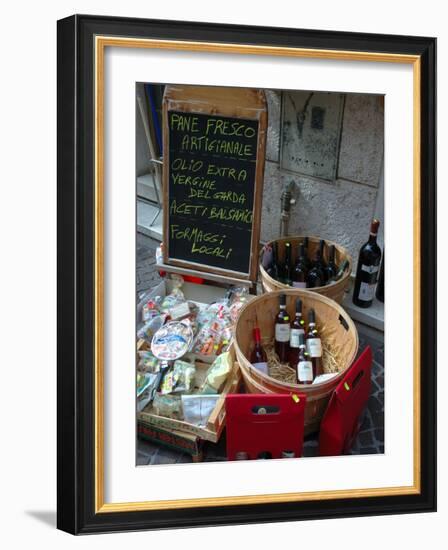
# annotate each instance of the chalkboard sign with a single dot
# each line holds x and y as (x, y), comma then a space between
(212, 189)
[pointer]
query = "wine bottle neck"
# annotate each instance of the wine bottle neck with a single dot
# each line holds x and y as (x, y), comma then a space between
(372, 238)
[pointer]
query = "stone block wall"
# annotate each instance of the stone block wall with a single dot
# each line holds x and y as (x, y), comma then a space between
(339, 210)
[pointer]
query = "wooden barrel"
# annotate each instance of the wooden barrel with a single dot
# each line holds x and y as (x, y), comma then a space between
(335, 291)
(333, 322)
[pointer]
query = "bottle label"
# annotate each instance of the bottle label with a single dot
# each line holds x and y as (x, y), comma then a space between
(370, 268)
(369, 274)
(305, 371)
(314, 347)
(294, 337)
(296, 284)
(262, 367)
(282, 332)
(366, 292)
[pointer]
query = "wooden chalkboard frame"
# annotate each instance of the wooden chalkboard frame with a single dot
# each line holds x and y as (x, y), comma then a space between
(175, 100)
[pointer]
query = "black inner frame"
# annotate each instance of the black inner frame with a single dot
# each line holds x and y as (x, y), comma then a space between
(76, 474)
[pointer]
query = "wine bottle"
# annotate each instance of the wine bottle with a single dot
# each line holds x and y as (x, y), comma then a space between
(339, 273)
(367, 269)
(273, 270)
(287, 265)
(316, 275)
(282, 331)
(307, 252)
(321, 259)
(314, 278)
(258, 357)
(380, 286)
(297, 328)
(305, 244)
(300, 270)
(314, 344)
(304, 366)
(330, 269)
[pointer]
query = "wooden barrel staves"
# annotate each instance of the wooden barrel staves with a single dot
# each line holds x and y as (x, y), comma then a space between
(338, 334)
(334, 291)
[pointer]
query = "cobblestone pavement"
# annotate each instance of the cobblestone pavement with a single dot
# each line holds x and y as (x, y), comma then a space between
(147, 276)
(370, 439)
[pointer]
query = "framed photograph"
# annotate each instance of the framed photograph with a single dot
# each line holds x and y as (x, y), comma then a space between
(232, 346)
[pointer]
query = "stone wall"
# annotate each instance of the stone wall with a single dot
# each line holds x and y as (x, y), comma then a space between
(339, 210)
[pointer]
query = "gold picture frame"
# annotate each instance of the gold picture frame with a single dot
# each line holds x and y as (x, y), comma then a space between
(98, 34)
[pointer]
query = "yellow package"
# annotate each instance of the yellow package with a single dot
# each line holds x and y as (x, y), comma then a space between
(217, 374)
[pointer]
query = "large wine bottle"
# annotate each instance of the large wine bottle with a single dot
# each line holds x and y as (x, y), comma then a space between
(380, 286)
(367, 270)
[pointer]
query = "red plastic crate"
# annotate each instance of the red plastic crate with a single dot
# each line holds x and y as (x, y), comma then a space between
(341, 421)
(258, 423)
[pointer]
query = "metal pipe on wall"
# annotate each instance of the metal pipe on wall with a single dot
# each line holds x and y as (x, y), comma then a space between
(286, 201)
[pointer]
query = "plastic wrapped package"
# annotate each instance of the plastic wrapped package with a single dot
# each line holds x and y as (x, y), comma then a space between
(179, 379)
(175, 298)
(212, 322)
(144, 380)
(217, 374)
(194, 311)
(147, 331)
(168, 405)
(169, 382)
(150, 308)
(198, 408)
(149, 302)
(216, 311)
(176, 295)
(147, 362)
(173, 340)
(145, 387)
(237, 299)
(208, 339)
(186, 373)
(237, 293)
